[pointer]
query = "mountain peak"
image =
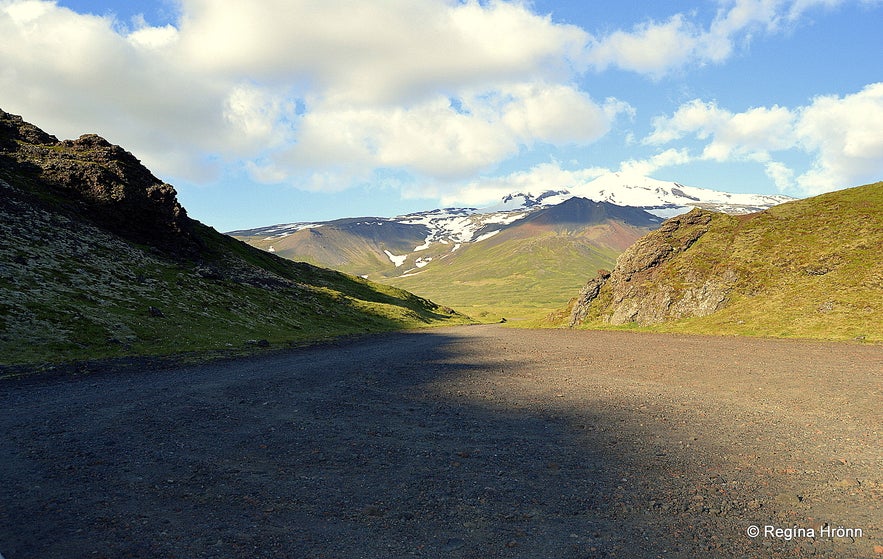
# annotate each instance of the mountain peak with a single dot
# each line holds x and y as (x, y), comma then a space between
(529, 200)
(662, 198)
(666, 198)
(581, 211)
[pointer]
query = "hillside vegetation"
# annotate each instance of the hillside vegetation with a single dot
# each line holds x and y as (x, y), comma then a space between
(811, 268)
(98, 259)
(528, 269)
(519, 265)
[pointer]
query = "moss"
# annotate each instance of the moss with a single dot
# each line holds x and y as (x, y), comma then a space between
(809, 269)
(84, 293)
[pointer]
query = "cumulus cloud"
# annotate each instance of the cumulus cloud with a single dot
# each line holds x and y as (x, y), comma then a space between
(539, 178)
(840, 134)
(844, 135)
(388, 51)
(327, 94)
(656, 48)
(334, 88)
(650, 48)
(668, 158)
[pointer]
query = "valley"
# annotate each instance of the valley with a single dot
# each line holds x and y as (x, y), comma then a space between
(520, 259)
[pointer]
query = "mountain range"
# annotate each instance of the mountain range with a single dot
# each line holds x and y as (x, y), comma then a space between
(99, 259)
(522, 255)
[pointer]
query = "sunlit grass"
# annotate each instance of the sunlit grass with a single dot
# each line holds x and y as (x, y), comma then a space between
(807, 269)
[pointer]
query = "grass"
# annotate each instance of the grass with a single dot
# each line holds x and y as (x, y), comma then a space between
(520, 279)
(71, 291)
(806, 269)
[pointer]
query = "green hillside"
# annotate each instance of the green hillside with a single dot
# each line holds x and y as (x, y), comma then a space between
(98, 259)
(531, 267)
(354, 246)
(522, 269)
(524, 272)
(811, 268)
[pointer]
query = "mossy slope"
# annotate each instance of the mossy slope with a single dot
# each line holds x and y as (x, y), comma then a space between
(811, 268)
(76, 284)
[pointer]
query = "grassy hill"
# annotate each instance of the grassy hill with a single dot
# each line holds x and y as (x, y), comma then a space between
(811, 268)
(525, 270)
(530, 268)
(354, 245)
(98, 259)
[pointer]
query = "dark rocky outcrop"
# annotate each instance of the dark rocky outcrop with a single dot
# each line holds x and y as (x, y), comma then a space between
(642, 289)
(99, 180)
(588, 294)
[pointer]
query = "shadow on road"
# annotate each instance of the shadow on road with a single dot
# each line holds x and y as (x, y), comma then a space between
(424, 444)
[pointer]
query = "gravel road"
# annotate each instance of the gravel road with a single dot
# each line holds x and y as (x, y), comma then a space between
(467, 442)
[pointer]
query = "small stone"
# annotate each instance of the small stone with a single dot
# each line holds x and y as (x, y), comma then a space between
(155, 312)
(453, 544)
(372, 510)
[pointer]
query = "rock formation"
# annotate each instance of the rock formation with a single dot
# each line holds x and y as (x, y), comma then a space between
(105, 182)
(643, 290)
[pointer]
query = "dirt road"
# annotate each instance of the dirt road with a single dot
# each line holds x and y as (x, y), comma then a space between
(472, 442)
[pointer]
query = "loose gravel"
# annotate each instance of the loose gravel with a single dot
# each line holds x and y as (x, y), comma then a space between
(467, 442)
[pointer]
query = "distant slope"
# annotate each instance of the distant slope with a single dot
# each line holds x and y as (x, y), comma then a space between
(473, 258)
(529, 266)
(98, 259)
(494, 263)
(356, 245)
(810, 268)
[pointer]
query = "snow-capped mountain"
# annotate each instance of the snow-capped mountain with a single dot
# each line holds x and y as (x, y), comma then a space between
(530, 248)
(662, 198)
(397, 237)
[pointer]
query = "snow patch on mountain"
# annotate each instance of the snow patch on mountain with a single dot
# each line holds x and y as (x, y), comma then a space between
(648, 193)
(284, 230)
(662, 198)
(397, 260)
(459, 226)
(486, 236)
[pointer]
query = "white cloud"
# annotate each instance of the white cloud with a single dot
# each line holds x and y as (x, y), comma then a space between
(646, 167)
(445, 138)
(650, 48)
(656, 48)
(387, 51)
(289, 89)
(841, 134)
(696, 117)
(844, 134)
(782, 176)
(538, 179)
(154, 38)
(325, 94)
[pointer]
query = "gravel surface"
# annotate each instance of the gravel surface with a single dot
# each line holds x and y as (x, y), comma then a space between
(469, 442)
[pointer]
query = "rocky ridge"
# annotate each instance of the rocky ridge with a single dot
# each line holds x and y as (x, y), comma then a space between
(100, 180)
(633, 294)
(99, 259)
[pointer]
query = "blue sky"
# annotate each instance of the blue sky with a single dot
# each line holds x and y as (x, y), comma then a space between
(275, 111)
